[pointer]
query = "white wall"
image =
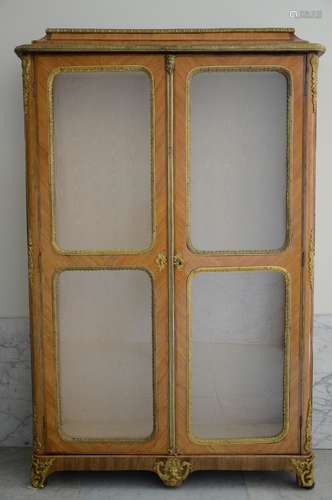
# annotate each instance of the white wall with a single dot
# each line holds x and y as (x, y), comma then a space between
(21, 21)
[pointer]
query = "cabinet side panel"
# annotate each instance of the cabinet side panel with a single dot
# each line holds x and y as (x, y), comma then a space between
(309, 147)
(29, 69)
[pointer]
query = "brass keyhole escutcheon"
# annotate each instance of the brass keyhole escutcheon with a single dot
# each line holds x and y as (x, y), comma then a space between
(178, 261)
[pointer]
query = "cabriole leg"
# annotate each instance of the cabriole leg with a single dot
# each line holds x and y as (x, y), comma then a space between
(304, 469)
(40, 467)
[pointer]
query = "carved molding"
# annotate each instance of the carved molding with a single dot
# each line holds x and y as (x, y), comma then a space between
(170, 30)
(30, 261)
(308, 426)
(314, 80)
(37, 446)
(170, 63)
(26, 78)
(173, 471)
(304, 469)
(222, 46)
(311, 256)
(39, 470)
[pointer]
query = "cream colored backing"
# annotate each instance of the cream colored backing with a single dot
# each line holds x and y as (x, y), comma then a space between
(237, 354)
(238, 160)
(105, 354)
(102, 160)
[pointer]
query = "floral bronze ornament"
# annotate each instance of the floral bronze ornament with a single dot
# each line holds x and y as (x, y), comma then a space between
(161, 261)
(39, 470)
(304, 469)
(173, 471)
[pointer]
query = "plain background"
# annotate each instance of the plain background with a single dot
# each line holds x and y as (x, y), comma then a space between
(22, 21)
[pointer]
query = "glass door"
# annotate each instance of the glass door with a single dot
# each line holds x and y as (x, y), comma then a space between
(103, 204)
(238, 253)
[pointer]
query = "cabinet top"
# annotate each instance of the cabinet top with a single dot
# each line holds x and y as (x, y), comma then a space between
(170, 40)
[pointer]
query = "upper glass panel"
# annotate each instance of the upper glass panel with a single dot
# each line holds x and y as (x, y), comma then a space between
(237, 160)
(102, 160)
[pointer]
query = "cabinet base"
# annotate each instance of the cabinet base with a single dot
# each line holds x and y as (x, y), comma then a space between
(172, 470)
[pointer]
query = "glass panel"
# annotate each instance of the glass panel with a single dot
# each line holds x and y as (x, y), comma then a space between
(237, 367)
(238, 160)
(102, 160)
(105, 354)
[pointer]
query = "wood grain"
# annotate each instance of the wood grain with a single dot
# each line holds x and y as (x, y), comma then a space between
(45, 260)
(290, 259)
(308, 242)
(52, 261)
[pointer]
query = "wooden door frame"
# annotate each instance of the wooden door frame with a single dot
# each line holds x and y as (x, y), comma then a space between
(49, 260)
(288, 259)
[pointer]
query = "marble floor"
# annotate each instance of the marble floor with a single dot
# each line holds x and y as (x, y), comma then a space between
(14, 483)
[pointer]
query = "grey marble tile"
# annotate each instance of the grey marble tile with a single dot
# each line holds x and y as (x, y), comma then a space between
(282, 485)
(15, 382)
(130, 485)
(15, 479)
(322, 390)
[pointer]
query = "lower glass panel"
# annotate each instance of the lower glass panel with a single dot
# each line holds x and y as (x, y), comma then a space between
(105, 354)
(238, 344)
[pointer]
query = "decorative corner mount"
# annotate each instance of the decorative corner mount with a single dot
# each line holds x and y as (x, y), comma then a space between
(304, 469)
(173, 471)
(40, 467)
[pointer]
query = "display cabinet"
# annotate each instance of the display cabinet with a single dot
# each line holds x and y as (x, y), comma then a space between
(170, 200)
